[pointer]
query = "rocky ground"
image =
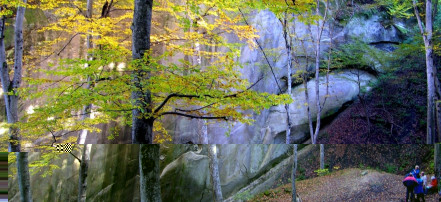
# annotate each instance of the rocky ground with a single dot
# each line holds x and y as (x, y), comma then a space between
(345, 185)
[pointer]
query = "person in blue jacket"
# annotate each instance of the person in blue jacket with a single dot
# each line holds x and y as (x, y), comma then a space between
(416, 171)
(419, 191)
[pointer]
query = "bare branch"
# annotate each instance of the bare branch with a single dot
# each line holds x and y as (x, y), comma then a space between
(70, 40)
(264, 54)
(76, 156)
(194, 116)
(420, 23)
(192, 110)
(199, 96)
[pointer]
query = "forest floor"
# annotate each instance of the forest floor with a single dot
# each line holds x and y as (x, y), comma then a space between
(396, 110)
(344, 185)
(392, 158)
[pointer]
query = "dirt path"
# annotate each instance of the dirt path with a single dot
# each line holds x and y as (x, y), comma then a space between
(345, 185)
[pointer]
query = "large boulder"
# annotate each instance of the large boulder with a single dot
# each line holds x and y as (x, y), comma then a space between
(343, 87)
(188, 177)
(269, 124)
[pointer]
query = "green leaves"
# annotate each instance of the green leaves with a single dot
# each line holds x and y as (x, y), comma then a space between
(196, 64)
(66, 95)
(398, 8)
(358, 55)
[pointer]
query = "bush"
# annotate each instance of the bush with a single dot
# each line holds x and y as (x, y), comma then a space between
(267, 193)
(359, 55)
(391, 168)
(322, 172)
(244, 196)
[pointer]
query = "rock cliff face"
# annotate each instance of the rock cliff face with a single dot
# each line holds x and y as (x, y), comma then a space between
(188, 178)
(269, 126)
(113, 176)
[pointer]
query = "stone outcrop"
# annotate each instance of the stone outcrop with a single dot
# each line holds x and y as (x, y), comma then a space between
(113, 176)
(343, 86)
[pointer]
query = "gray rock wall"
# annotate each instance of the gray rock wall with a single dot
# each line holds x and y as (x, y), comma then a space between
(187, 178)
(113, 176)
(269, 124)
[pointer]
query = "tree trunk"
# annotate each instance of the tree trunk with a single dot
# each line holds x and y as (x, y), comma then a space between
(197, 59)
(438, 110)
(322, 156)
(317, 41)
(142, 126)
(293, 175)
(24, 182)
(203, 133)
(430, 69)
(6, 83)
(84, 166)
(437, 163)
(431, 74)
(214, 171)
(317, 68)
(305, 85)
(12, 86)
(87, 108)
(331, 29)
(288, 43)
(363, 103)
(308, 110)
(150, 189)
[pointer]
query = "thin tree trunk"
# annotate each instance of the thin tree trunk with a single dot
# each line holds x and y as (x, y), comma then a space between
(366, 112)
(437, 110)
(87, 108)
(197, 59)
(142, 126)
(24, 182)
(437, 162)
(322, 156)
(317, 68)
(203, 133)
(84, 167)
(308, 110)
(293, 175)
(363, 103)
(430, 70)
(150, 189)
(288, 43)
(305, 85)
(331, 28)
(214, 171)
(317, 74)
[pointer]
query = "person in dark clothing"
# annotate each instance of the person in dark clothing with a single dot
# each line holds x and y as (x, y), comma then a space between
(410, 182)
(419, 191)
